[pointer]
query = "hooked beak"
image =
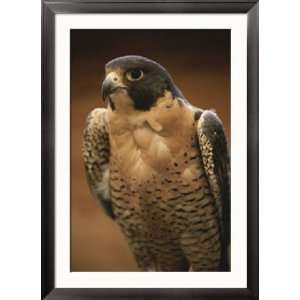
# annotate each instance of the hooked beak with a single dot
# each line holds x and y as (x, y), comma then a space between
(110, 84)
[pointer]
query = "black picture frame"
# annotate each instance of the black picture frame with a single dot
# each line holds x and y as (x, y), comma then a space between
(52, 7)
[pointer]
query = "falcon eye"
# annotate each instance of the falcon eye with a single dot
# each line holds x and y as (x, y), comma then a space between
(134, 75)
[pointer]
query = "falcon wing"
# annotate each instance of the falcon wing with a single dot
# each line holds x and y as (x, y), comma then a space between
(215, 157)
(96, 151)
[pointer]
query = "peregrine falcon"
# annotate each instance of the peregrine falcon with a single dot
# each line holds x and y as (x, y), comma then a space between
(159, 167)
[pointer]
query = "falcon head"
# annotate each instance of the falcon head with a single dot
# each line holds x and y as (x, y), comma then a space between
(138, 81)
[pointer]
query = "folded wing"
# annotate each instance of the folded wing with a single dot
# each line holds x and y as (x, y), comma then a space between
(96, 152)
(215, 157)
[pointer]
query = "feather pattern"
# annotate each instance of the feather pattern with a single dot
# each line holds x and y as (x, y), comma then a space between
(160, 167)
(96, 152)
(214, 152)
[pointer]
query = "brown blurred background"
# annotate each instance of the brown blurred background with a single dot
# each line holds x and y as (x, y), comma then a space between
(198, 61)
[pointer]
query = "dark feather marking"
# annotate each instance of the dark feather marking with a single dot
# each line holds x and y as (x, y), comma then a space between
(114, 189)
(197, 115)
(210, 237)
(191, 192)
(207, 204)
(175, 198)
(111, 103)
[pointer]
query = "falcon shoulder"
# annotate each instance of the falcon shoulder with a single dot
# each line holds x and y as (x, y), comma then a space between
(96, 152)
(215, 158)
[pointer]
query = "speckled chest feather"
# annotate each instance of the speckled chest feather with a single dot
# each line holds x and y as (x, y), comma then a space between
(156, 170)
(146, 145)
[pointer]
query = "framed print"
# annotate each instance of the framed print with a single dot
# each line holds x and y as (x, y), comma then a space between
(150, 150)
